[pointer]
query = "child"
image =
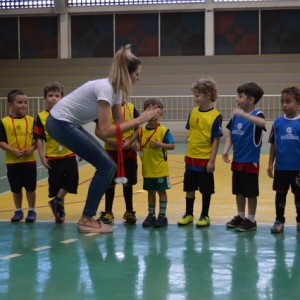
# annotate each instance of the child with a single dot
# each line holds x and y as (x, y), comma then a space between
(130, 166)
(205, 129)
(154, 141)
(61, 162)
(245, 135)
(285, 150)
(16, 138)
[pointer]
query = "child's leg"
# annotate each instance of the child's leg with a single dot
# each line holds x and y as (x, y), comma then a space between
(241, 205)
(205, 204)
(189, 203)
(252, 204)
(31, 196)
(18, 199)
(61, 195)
(280, 202)
(151, 202)
(297, 205)
(127, 192)
(109, 198)
(163, 200)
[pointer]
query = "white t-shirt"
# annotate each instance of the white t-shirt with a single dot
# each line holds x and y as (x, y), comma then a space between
(81, 105)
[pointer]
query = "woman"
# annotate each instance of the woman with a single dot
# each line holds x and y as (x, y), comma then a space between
(94, 100)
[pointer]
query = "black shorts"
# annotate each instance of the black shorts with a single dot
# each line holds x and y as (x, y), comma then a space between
(22, 175)
(63, 174)
(245, 184)
(202, 181)
(284, 179)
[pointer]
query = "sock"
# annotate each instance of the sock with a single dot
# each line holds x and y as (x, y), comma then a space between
(241, 214)
(109, 198)
(31, 209)
(280, 201)
(127, 192)
(151, 209)
(251, 218)
(205, 205)
(189, 203)
(162, 207)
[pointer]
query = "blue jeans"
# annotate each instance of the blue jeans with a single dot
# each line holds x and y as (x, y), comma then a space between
(83, 144)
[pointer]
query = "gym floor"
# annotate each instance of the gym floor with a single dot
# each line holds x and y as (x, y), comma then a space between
(45, 260)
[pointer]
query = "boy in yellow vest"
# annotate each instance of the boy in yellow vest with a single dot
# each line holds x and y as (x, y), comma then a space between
(17, 139)
(205, 129)
(61, 162)
(130, 167)
(155, 140)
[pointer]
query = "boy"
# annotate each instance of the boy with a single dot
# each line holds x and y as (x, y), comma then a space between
(245, 135)
(130, 167)
(61, 162)
(154, 141)
(16, 138)
(285, 150)
(205, 129)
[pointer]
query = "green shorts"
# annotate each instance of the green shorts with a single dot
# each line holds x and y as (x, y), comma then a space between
(157, 184)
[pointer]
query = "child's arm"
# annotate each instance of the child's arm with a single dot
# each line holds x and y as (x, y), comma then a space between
(225, 154)
(271, 160)
(161, 145)
(258, 121)
(41, 152)
(210, 167)
(8, 148)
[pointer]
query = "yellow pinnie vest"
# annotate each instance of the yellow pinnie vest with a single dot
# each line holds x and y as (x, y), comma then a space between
(52, 147)
(19, 133)
(200, 133)
(128, 111)
(154, 161)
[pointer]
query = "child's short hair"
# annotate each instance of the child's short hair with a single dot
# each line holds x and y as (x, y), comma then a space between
(206, 86)
(153, 102)
(12, 95)
(54, 87)
(292, 90)
(251, 89)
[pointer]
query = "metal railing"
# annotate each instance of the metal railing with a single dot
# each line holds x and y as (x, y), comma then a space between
(176, 108)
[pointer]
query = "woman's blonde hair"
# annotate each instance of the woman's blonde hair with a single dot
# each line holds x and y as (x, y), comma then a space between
(124, 64)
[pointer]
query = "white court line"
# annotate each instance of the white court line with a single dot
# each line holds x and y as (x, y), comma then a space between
(69, 241)
(41, 248)
(11, 256)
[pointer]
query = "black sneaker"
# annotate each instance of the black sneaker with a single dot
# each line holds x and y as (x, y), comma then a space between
(55, 206)
(61, 214)
(149, 221)
(246, 225)
(237, 220)
(161, 221)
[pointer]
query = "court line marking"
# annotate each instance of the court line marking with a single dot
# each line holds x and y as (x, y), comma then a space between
(11, 256)
(41, 248)
(68, 241)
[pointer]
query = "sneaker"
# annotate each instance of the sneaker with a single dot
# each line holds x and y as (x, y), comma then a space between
(237, 220)
(106, 217)
(129, 217)
(149, 221)
(55, 206)
(185, 220)
(203, 221)
(31, 216)
(61, 215)
(161, 221)
(246, 225)
(278, 227)
(18, 216)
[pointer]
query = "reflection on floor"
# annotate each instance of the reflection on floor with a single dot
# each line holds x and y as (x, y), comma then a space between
(49, 261)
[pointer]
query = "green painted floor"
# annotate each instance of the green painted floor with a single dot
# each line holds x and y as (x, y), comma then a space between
(52, 261)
